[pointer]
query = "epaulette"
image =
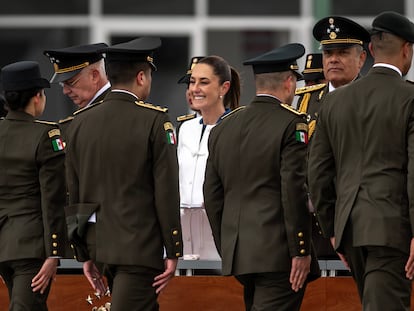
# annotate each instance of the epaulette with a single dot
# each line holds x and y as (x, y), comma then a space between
(87, 107)
(151, 106)
(45, 122)
(186, 117)
(70, 118)
(291, 109)
(233, 112)
(309, 89)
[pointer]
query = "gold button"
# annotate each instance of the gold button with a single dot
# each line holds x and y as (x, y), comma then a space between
(54, 244)
(177, 254)
(301, 242)
(54, 236)
(302, 251)
(71, 246)
(54, 252)
(320, 232)
(74, 257)
(175, 232)
(177, 243)
(300, 234)
(317, 224)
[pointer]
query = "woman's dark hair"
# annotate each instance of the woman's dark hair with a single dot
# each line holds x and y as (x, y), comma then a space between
(20, 99)
(225, 73)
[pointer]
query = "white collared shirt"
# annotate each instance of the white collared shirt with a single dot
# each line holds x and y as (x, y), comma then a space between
(100, 91)
(388, 66)
(192, 153)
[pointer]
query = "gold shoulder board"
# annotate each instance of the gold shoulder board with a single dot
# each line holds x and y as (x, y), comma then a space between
(186, 117)
(291, 109)
(233, 111)
(70, 118)
(151, 106)
(45, 122)
(87, 107)
(309, 89)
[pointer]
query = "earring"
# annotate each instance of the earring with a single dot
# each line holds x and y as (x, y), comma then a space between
(221, 96)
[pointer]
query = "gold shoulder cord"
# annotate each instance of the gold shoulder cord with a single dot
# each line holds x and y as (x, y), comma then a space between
(304, 103)
(311, 128)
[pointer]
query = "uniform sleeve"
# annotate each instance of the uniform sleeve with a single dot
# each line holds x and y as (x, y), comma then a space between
(50, 158)
(321, 175)
(292, 171)
(213, 193)
(410, 178)
(165, 172)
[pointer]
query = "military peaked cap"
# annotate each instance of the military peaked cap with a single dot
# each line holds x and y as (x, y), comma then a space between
(395, 23)
(137, 50)
(68, 62)
(193, 62)
(337, 32)
(277, 60)
(313, 67)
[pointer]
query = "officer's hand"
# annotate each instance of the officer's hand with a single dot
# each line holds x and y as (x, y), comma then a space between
(341, 256)
(409, 267)
(161, 280)
(46, 274)
(94, 277)
(299, 272)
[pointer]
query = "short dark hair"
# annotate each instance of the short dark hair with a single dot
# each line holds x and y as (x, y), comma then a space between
(119, 72)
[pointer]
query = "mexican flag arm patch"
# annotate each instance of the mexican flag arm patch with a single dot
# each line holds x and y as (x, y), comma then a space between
(302, 133)
(57, 144)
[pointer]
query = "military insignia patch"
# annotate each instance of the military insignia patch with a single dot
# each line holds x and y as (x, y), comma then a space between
(54, 132)
(302, 133)
(169, 130)
(58, 144)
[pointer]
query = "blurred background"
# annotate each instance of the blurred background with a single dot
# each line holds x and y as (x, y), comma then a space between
(233, 29)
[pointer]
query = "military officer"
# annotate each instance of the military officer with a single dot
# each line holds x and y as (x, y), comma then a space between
(32, 190)
(125, 216)
(361, 169)
(313, 71)
(254, 188)
(80, 71)
(342, 41)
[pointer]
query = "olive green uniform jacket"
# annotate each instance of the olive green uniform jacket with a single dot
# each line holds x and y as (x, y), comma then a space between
(65, 123)
(364, 139)
(254, 188)
(32, 189)
(122, 164)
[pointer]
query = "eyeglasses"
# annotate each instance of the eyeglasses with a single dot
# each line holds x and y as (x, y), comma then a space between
(71, 84)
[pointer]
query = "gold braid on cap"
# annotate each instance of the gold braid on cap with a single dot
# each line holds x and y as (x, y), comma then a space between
(348, 40)
(312, 70)
(69, 69)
